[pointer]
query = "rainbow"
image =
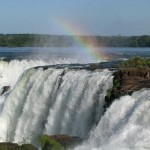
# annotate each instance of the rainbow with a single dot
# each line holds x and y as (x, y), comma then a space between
(91, 47)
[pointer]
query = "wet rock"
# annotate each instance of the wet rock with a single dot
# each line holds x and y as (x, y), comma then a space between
(59, 142)
(5, 89)
(125, 82)
(14, 146)
(134, 81)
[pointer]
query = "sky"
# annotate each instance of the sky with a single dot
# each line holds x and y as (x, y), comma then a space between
(88, 17)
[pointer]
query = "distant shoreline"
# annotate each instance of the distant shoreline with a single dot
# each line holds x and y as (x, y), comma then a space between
(43, 40)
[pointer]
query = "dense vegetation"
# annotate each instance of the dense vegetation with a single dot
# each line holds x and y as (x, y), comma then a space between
(135, 62)
(30, 40)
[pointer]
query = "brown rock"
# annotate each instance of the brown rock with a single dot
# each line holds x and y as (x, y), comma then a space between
(126, 82)
(135, 80)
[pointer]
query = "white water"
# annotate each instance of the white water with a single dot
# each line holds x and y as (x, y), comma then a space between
(54, 101)
(11, 71)
(125, 126)
(65, 101)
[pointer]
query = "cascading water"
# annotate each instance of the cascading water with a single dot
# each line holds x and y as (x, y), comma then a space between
(69, 100)
(54, 101)
(126, 125)
(11, 71)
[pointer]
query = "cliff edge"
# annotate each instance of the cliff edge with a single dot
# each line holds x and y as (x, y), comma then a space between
(132, 75)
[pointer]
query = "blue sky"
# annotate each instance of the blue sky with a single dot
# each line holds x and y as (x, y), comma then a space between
(97, 17)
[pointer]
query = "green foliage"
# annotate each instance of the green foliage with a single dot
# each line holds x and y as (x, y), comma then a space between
(34, 40)
(136, 62)
(42, 40)
(47, 143)
(109, 92)
(116, 83)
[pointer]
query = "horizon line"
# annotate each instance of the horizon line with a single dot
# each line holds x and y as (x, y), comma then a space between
(118, 35)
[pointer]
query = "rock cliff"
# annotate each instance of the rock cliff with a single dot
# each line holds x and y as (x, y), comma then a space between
(126, 81)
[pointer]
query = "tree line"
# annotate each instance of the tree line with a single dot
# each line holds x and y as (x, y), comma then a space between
(43, 40)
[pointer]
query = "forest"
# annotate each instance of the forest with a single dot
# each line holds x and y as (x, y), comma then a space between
(43, 40)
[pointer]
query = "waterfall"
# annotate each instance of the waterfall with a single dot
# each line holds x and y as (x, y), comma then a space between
(126, 125)
(54, 101)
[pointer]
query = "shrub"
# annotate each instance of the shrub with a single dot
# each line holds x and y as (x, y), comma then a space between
(116, 83)
(47, 143)
(135, 62)
(109, 93)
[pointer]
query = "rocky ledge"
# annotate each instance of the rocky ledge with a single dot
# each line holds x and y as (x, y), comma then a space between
(59, 142)
(14, 146)
(133, 80)
(132, 76)
(47, 142)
